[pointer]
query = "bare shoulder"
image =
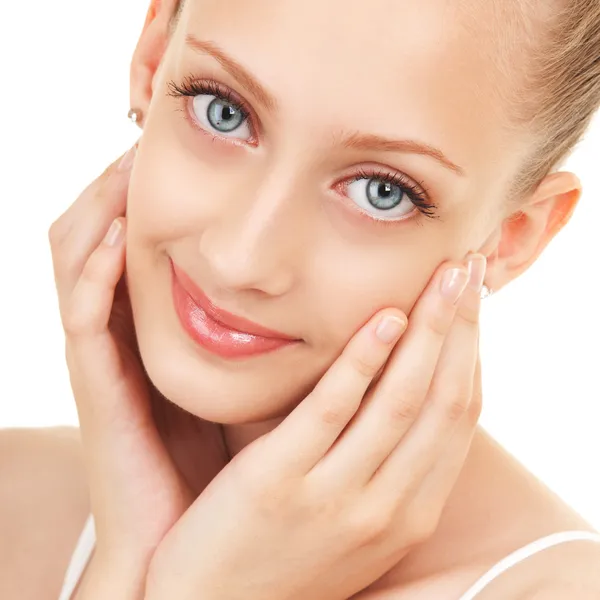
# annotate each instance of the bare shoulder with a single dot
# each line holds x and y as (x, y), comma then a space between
(573, 574)
(565, 572)
(569, 570)
(499, 510)
(43, 506)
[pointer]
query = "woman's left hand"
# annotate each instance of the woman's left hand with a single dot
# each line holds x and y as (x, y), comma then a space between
(356, 475)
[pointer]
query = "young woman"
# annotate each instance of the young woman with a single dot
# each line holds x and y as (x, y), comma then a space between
(274, 347)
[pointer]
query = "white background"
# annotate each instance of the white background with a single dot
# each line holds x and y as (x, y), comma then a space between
(64, 100)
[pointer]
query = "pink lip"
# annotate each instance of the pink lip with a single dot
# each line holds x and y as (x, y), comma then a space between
(219, 331)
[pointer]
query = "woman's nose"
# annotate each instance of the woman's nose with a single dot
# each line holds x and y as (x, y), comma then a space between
(253, 245)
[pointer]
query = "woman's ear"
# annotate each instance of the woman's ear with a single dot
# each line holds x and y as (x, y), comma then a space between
(525, 233)
(149, 53)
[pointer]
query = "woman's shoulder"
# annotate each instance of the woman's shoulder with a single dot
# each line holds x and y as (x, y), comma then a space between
(503, 525)
(43, 506)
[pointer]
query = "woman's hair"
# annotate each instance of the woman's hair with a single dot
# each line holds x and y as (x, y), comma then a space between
(552, 59)
(176, 14)
(547, 75)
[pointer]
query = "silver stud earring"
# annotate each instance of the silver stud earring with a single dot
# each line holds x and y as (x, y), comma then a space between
(134, 115)
(486, 291)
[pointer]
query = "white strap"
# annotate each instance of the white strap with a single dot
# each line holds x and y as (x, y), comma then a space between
(81, 556)
(525, 552)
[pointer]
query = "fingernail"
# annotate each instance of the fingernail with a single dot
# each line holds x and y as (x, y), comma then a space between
(477, 266)
(127, 160)
(114, 234)
(389, 329)
(454, 283)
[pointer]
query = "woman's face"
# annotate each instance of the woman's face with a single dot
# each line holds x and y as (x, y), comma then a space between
(292, 212)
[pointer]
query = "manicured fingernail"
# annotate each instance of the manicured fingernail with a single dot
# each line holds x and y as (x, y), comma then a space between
(114, 234)
(477, 267)
(127, 160)
(454, 283)
(389, 329)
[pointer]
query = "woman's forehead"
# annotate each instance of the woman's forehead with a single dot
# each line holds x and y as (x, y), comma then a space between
(374, 25)
(372, 60)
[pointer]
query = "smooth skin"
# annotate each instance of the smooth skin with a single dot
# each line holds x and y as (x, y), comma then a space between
(220, 207)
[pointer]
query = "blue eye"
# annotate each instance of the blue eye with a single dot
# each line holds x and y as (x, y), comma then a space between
(216, 109)
(380, 197)
(384, 196)
(223, 117)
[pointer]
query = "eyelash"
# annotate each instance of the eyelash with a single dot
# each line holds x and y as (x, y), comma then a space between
(193, 87)
(418, 194)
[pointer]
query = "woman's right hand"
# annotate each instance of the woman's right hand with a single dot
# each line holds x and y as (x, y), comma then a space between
(136, 491)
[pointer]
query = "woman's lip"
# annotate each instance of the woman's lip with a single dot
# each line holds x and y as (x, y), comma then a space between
(223, 317)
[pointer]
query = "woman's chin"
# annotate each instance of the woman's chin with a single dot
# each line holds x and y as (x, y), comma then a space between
(223, 392)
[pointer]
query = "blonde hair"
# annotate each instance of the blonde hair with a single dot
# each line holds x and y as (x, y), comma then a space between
(550, 64)
(548, 75)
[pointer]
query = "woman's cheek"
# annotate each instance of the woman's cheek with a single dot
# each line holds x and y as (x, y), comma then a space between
(368, 283)
(175, 179)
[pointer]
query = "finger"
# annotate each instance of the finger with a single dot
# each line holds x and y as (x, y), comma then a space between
(74, 236)
(60, 228)
(90, 303)
(95, 366)
(309, 431)
(422, 507)
(110, 394)
(447, 400)
(440, 481)
(395, 402)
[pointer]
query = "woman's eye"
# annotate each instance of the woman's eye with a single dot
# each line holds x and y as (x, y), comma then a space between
(381, 198)
(217, 115)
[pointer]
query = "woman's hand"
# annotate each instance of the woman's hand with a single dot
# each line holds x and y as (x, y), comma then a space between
(136, 491)
(351, 480)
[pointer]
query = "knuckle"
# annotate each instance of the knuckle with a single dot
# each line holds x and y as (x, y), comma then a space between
(369, 527)
(457, 407)
(337, 412)
(421, 519)
(365, 364)
(439, 321)
(469, 311)
(56, 232)
(77, 321)
(323, 507)
(407, 410)
(270, 500)
(456, 411)
(423, 524)
(80, 316)
(104, 191)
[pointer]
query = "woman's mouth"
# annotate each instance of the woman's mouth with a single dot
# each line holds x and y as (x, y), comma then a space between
(216, 330)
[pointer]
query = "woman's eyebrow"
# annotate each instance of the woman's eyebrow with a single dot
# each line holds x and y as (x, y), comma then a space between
(355, 140)
(235, 69)
(377, 143)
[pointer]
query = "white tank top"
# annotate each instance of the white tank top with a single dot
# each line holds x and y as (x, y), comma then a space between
(87, 539)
